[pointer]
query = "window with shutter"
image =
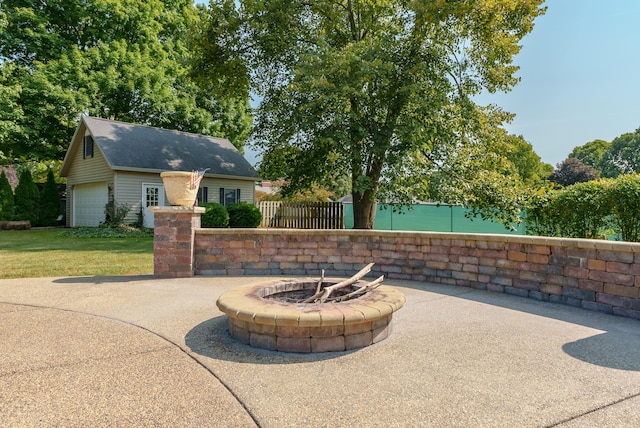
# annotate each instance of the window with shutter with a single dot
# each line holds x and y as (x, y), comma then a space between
(229, 196)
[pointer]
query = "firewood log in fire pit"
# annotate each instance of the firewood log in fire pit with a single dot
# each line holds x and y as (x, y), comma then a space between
(324, 294)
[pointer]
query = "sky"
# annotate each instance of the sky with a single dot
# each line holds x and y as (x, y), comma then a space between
(580, 77)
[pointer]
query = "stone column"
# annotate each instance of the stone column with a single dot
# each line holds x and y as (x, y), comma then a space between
(173, 241)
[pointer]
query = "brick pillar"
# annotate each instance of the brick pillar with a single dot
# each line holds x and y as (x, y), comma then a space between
(173, 240)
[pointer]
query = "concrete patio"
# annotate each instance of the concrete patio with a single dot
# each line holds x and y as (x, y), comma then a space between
(138, 351)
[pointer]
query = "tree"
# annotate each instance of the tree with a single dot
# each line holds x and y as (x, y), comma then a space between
(527, 163)
(376, 90)
(49, 202)
(596, 153)
(6, 199)
(10, 111)
(625, 152)
(119, 59)
(572, 171)
(315, 194)
(26, 198)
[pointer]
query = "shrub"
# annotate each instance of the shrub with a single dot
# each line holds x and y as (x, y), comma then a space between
(624, 197)
(582, 210)
(49, 202)
(244, 214)
(539, 218)
(6, 199)
(214, 216)
(26, 198)
(139, 223)
(115, 213)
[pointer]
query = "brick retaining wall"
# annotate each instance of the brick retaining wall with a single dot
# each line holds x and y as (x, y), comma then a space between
(596, 275)
(173, 240)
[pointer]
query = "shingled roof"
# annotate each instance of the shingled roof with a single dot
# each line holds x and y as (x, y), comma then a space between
(130, 147)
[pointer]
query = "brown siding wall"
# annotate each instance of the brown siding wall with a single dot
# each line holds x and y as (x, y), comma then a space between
(90, 170)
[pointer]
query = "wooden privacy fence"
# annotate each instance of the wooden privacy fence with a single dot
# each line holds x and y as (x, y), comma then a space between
(302, 215)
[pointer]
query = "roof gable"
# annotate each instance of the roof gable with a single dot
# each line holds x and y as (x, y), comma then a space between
(126, 146)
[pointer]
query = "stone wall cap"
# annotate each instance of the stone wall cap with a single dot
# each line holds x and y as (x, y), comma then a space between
(594, 244)
(177, 209)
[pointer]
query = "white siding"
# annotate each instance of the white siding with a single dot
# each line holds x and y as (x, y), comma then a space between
(247, 188)
(128, 189)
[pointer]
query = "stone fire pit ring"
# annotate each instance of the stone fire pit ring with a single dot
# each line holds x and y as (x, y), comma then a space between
(257, 320)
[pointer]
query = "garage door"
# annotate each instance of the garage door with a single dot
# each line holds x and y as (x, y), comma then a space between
(88, 204)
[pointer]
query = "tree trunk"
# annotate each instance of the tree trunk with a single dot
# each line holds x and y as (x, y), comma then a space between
(364, 210)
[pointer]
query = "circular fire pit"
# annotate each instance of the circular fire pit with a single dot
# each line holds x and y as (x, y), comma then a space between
(260, 315)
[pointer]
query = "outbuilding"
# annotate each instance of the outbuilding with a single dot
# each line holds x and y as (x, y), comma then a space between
(115, 160)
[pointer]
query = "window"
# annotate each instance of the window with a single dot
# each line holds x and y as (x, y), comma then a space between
(203, 195)
(229, 196)
(88, 146)
(152, 196)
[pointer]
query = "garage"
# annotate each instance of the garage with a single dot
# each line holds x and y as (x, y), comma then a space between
(89, 201)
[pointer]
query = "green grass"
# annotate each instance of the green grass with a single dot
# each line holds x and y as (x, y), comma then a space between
(75, 252)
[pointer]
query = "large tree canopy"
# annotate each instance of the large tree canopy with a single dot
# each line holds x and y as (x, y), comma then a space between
(621, 156)
(596, 153)
(526, 162)
(625, 152)
(572, 171)
(120, 59)
(380, 90)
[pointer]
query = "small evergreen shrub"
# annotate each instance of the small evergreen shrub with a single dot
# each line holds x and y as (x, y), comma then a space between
(27, 198)
(6, 199)
(215, 215)
(244, 214)
(49, 202)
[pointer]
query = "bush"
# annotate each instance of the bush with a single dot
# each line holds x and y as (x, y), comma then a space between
(115, 213)
(27, 198)
(244, 214)
(6, 199)
(139, 223)
(540, 219)
(581, 210)
(49, 202)
(214, 216)
(624, 198)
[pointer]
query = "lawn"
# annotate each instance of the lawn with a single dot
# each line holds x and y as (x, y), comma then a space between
(75, 252)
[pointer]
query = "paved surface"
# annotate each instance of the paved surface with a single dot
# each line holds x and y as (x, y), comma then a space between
(135, 351)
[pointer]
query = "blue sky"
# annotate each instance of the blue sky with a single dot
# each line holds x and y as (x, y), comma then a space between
(580, 71)
(580, 77)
